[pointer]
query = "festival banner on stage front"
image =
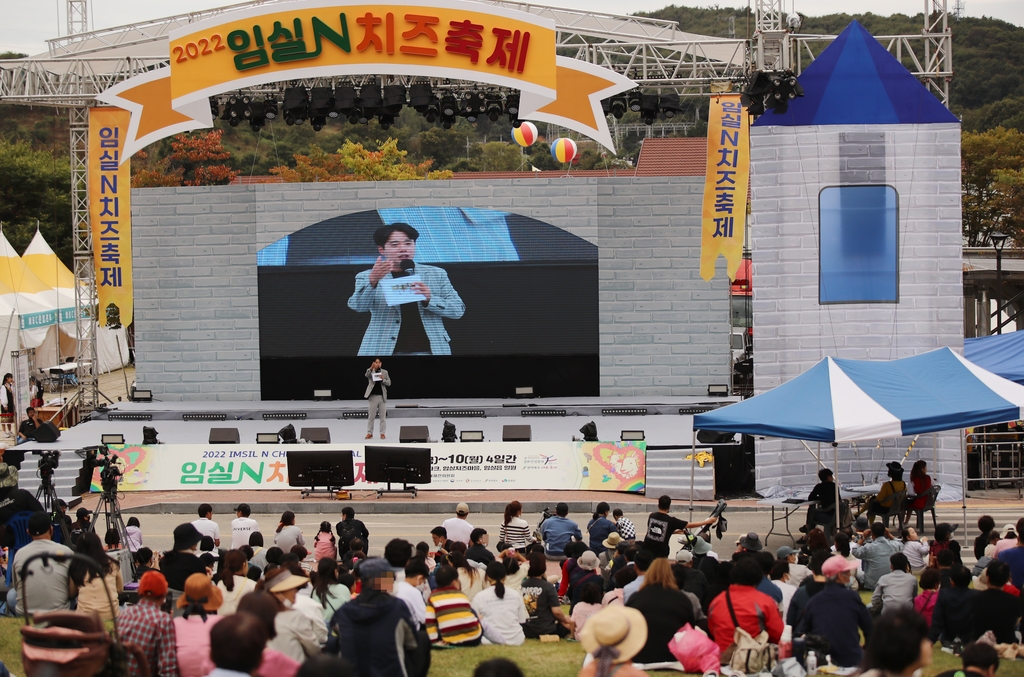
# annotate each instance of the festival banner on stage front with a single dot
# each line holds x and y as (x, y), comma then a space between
(593, 466)
(726, 180)
(110, 213)
(309, 39)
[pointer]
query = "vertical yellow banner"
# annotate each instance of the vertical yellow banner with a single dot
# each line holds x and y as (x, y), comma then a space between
(726, 180)
(110, 214)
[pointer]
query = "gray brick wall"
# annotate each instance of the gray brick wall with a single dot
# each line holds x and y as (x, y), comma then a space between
(664, 331)
(789, 166)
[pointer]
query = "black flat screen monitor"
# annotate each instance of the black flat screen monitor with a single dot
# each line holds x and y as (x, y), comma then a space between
(320, 469)
(410, 465)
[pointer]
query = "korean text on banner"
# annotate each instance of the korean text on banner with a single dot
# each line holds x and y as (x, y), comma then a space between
(110, 213)
(725, 186)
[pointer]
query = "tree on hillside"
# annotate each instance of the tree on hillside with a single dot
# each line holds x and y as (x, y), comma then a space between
(499, 156)
(993, 185)
(353, 162)
(35, 187)
(195, 160)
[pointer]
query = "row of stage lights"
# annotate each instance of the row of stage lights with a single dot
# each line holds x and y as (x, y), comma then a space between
(318, 105)
(359, 106)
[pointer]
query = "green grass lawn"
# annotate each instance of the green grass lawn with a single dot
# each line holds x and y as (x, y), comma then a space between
(562, 659)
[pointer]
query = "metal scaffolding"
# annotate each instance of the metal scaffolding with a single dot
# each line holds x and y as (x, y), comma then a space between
(654, 53)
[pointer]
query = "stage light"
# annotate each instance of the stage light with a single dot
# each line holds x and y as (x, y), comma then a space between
(448, 432)
(371, 99)
(321, 394)
(317, 122)
(449, 106)
(214, 108)
(112, 438)
(149, 435)
(257, 115)
(718, 390)
(266, 438)
(473, 106)
(633, 101)
(394, 99)
(421, 96)
(270, 108)
(785, 88)
(512, 104)
(618, 107)
(287, 434)
(589, 431)
(296, 105)
(430, 112)
(669, 105)
(494, 109)
(753, 96)
(141, 395)
(631, 436)
(649, 108)
(524, 391)
(321, 102)
(385, 121)
(345, 100)
(471, 436)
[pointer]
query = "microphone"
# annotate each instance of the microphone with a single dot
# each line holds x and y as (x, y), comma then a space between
(407, 265)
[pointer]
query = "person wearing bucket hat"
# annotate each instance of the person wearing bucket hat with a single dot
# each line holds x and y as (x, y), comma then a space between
(146, 626)
(181, 560)
(882, 502)
(837, 613)
(200, 603)
(750, 543)
(704, 559)
(298, 635)
(613, 636)
(375, 631)
(587, 566)
(609, 547)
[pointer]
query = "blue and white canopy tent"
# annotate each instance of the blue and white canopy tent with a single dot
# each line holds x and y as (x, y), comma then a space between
(856, 400)
(1001, 354)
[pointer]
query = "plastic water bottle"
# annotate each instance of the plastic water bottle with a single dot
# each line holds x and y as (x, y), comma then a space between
(786, 643)
(812, 662)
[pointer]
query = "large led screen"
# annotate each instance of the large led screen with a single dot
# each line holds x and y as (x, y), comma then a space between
(428, 283)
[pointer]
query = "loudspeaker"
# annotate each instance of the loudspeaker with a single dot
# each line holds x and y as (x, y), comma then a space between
(413, 433)
(224, 436)
(316, 435)
(46, 432)
(516, 433)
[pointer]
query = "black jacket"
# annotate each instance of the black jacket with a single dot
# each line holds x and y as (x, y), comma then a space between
(837, 613)
(665, 612)
(997, 611)
(375, 633)
(952, 615)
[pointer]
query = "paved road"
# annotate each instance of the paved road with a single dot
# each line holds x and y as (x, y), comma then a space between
(157, 529)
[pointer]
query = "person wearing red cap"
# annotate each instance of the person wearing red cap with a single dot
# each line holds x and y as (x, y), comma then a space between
(149, 628)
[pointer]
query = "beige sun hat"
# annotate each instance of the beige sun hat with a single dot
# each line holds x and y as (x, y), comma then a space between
(619, 627)
(285, 580)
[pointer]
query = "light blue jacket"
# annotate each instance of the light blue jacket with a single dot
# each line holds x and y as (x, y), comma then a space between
(385, 321)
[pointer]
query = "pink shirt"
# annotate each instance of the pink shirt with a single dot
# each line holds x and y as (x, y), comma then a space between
(1005, 544)
(277, 664)
(581, 612)
(323, 547)
(193, 640)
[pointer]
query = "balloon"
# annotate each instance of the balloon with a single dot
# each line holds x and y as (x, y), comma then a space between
(564, 150)
(525, 134)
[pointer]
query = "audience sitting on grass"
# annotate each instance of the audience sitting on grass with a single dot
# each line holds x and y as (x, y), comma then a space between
(812, 585)
(288, 535)
(145, 625)
(612, 639)
(690, 580)
(874, 548)
(978, 659)
(233, 581)
(133, 532)
(471, 577)
(752, 609)
(323, 543)
(798, 572)
(1014, 557)
(600, 527)
(501, 611)
(573, 550)
(477, 551)
(943, 541)
(994, 609)
(514, 530)
(410, 590)
(986, 525)
(837, 614)
(641, 561)
(264, 607)
(97, 590)
(897, 646)
(895, 590)
(237, 644)
(951, 618)
(558, 531)
(450, 617)
(916, 548)
(924, 603)
(780, 577)
(298, 634)
(665, 609)
(47, 587)
(541, 599)
(199, 604)
(586, 572)
(348, 528)
(180, 562)
(589, 604)
(617, 594)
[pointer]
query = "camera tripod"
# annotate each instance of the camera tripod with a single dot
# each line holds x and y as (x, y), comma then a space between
(46, 494)
(110, 509)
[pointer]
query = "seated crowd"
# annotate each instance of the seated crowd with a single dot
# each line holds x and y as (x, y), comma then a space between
(280, 609)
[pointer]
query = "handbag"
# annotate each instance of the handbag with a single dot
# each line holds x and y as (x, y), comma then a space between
(695, 650)
(749, 654)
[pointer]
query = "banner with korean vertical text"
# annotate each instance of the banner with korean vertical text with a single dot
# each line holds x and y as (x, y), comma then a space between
(726, 181)
(110, 213)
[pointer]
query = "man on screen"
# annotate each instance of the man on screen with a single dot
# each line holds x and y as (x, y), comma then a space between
(405, 319)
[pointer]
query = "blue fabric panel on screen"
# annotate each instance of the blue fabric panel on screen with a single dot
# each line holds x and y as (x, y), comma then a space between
(856, 81)
(859, 237)
(274, 254)
(1001, 354)
(456, 234)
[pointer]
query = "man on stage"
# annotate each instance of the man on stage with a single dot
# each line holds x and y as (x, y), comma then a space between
(377, 382)
(405, 319)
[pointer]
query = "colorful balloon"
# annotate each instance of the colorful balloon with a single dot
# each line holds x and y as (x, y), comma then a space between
(564, 150)
(525, 134)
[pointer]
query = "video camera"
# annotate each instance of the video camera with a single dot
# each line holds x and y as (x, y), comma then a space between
(107, 461)
(49, 459)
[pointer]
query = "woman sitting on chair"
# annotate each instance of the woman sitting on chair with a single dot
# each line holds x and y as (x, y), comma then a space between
(881, 504)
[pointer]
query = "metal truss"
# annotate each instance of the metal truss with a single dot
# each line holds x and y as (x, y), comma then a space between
(85, 273)
(78, 16)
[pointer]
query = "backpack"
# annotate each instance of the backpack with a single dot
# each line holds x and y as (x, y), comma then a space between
(748, 654)
(347, 530)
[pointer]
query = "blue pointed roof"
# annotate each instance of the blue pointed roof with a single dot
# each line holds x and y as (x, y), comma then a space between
(857, 81)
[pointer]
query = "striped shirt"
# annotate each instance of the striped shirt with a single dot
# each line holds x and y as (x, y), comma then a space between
(450, 617)
(516, 533)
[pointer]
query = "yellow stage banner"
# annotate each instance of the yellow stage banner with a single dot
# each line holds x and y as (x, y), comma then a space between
(110, 213)
(725, 186)
(322, 39)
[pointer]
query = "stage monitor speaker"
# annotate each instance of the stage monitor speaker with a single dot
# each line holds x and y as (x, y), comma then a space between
(316, 435)
(516, 433)
(414, 433)
(224, 436)
(46, 432)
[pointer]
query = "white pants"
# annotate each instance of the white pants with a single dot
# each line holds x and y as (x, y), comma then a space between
(377, 406)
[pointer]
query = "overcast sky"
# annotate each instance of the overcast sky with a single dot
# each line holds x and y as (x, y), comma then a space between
(27, 24)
